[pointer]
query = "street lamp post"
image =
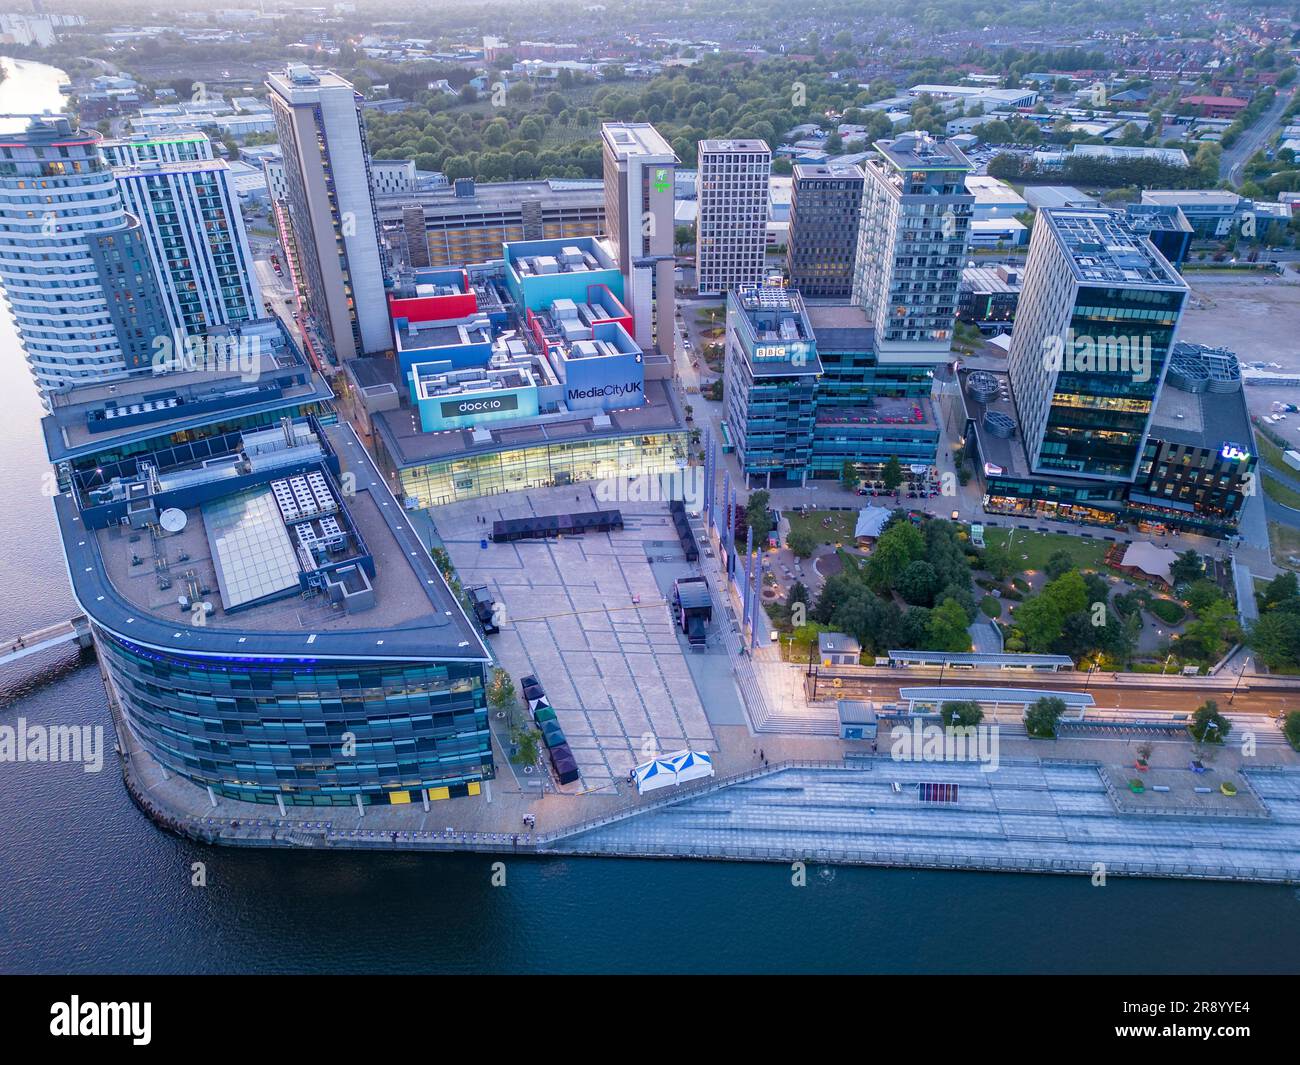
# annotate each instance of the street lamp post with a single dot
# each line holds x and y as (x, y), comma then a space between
(1240, 673)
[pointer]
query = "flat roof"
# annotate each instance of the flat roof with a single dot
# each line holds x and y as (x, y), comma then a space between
(1005, 452)
(1104, 249)
(274, 374)
(772, 316)
(977, 658)
(1191, 197)
(914, 412)
(1200, 419)
(301, 92)
(804, 171)
(630, 139)
(415, 615)
(496, 195)
(840, 327)
(987, 189)
(990, 279)
(1057, 196)
(922, 153)
(734, 144)
(949, 694)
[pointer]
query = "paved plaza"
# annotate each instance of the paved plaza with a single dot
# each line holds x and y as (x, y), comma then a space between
(587, 616)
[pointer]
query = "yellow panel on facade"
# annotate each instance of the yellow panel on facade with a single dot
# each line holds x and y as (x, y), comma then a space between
(440, 793)
(473, 787)
(399, 798)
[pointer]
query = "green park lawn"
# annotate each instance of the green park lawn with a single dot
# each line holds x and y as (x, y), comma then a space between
(843, 522)
(1087, 554)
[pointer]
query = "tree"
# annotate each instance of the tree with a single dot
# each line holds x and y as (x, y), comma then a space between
(757, 516)
(893, 473)
(898, 547)
(1201, 595)
(1079, 636)
(1067, 593)
(1042, 716)
(1188, 566)
(1276, 638)
(501, 693)
(1005, 166)
(1059, 564)
(1208, 725)
(918, 583)
(526, 742)
(849, 475)
(1291, 729)
(961, 713)
(801, 541)
(496, 133)
(798, 594)
(1282, 590)
(947, 628)
(1039, 621)
(1208, 636)
(998, 561)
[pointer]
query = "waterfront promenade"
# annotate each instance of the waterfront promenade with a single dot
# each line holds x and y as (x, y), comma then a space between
(818, 800)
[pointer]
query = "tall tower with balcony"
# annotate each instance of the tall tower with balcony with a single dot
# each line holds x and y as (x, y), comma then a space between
(69, 259)
(912, 240)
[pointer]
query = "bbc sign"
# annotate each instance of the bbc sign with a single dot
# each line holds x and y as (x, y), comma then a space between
(462, 408)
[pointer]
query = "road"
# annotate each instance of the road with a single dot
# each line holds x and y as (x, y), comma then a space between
(1233, 161)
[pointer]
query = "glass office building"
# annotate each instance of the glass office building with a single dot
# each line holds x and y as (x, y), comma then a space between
(469, 476)
(1095, 326)
(770, 381)
(268, 624)
(312, 732)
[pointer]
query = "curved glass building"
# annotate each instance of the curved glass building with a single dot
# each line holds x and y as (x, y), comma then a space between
(269, 623)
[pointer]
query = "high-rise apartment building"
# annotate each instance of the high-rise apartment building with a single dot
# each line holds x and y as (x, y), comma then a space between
(137, 306)
(1094, 328)
(184, 147)
(278, 186)
(331, 207)
(731, 223)
(197, 243)
(70, 259)
(826, 201)
(915, 226)
(639, 169)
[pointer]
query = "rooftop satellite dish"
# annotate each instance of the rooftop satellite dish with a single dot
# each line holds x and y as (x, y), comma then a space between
(172, 520)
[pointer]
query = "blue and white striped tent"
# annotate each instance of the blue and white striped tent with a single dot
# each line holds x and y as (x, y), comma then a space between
(691, 765)
(654, 774)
